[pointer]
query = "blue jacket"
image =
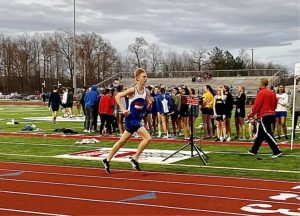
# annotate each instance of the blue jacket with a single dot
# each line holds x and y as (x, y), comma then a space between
(159, 104)
(91, 98)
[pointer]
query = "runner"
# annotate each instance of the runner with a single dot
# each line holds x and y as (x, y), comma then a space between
(139, 101)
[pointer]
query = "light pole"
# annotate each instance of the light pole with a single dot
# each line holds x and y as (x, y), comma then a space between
(43, 86)
(74, 50)
(252, 58)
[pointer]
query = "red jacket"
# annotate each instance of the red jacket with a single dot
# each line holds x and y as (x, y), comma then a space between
(106, 105)
(265, 103)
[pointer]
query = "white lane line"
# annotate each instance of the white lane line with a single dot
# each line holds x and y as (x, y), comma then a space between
(155, 191)
(31, 212)
(120, 202)
(179, 165)
(152, 172)
(150, 180)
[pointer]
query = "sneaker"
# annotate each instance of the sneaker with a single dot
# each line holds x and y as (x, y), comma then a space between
(165, 137)
(277, 155)
(217, 140)
(106, 165)
(228, 139)
(85, 131)
(135, 165)
(251, 153)
(244, 139)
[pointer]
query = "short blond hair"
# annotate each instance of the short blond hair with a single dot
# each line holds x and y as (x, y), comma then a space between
(264, 82)
(138, 72)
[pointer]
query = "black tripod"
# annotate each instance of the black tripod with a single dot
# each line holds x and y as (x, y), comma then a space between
(191, 143)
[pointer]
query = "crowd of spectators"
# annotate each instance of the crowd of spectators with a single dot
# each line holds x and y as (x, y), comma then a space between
(170, 117)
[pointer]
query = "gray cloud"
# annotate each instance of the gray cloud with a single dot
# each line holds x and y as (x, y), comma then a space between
(178, 23)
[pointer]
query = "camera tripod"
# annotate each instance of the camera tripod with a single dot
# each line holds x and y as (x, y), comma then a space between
(191, 143)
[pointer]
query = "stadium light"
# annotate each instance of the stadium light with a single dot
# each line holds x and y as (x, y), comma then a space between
(74, 49)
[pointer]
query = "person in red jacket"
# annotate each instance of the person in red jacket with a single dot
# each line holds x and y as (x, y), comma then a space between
(264, 109)
(106, 111)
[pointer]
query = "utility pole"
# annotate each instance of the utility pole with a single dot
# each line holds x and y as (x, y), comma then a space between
(74, 50)
(252, 58)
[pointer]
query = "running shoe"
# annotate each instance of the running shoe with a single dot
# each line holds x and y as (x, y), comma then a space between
(135, 165)
(251, 153)
(106, 165)
(277, 155)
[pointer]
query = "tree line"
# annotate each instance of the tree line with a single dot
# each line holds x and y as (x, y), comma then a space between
(27, 61)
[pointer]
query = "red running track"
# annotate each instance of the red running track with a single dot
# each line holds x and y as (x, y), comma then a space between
(30, 189)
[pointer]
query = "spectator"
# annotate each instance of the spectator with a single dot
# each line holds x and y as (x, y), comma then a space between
(82, 100)
(120, 115)
(156, 121)
(281, 111)
(147, 118)
(164, 107)
(106, 110)
(175, 118)
(78, 104)
(207, 111)
(44, 97)
(240, 113)
(219, 108)
(64, 101)
(194, 111)
(184, 113)
(264, 110)
(54, 103)
(228, 111)
(90, 99)
(69, 104)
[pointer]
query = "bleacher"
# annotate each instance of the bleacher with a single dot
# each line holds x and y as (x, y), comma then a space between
(251, 83)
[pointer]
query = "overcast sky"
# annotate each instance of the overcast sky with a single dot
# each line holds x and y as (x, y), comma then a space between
(270, 27)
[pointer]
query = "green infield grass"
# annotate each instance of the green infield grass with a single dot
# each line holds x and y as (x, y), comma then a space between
(229, 160)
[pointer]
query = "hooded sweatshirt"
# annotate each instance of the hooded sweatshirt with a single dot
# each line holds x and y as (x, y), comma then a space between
(91, 97)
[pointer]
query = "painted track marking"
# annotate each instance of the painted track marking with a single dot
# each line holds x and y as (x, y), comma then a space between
(147, 180)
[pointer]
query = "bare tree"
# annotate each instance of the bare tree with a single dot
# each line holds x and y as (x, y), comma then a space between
(187, 61)
(65, 47)
(245, 57)
(199, 56)
(137, 49)
(155, 57)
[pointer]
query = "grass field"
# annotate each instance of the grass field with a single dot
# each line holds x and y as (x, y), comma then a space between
(229, 160)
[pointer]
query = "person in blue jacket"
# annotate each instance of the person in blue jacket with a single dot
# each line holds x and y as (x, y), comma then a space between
(90, 104)
(165, 107)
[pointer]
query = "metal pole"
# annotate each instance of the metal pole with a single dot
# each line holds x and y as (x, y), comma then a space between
(293, 113)
(74, 49)
(297, 74)
(252, 58)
